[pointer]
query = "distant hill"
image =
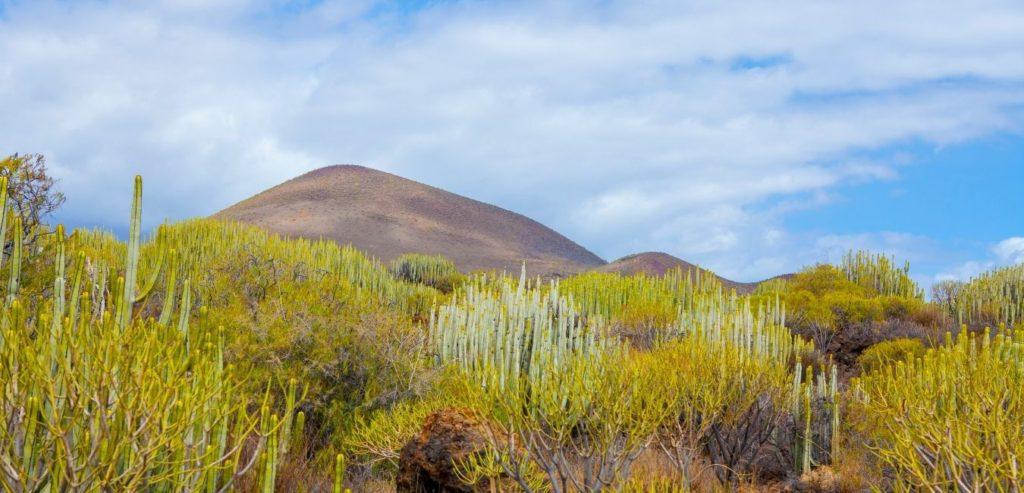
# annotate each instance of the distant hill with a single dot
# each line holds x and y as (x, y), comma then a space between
(658, 263)
(387, 215)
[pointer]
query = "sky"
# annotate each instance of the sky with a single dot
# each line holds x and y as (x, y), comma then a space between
(753, 138)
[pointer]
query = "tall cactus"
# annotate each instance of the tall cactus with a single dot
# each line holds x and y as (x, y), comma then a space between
(995, 297)
(112, 403)
(124, 307)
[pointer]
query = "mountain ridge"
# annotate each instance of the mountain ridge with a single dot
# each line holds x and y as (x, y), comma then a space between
(658, 263)
(387, 215)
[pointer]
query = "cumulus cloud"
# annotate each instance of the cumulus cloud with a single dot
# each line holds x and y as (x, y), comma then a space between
(1010, 250)
(685, 127)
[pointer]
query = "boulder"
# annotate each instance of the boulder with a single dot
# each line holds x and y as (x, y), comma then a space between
(427, 463)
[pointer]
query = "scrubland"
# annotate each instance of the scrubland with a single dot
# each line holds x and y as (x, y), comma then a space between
(214, 356)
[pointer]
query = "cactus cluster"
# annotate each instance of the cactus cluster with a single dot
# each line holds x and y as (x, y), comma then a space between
(432, 270)
(96, 397)
(950, 420)
(815, 404)
(551, 376)
(513, 330)
(994, 297)
(880, 274)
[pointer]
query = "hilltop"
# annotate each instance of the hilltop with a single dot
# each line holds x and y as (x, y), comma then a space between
(386, 215)
(658, 263)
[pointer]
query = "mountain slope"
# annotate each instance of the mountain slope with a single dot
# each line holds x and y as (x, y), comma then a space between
(658, 263)
(386, 215)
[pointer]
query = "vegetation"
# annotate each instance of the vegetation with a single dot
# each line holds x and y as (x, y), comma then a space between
(889, 352)
(432, 270)
(879, 274)
(31, 192)
(993, 298)
(96, 398)
(950, 420)
(567, 401)
(213, 356)
(847, 308)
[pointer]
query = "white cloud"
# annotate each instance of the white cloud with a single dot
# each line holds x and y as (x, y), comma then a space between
(1010, 250)
(625, 126)
(965, 271)
(1006, 252)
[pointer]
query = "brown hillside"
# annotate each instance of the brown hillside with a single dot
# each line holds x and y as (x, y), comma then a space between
(658, 263)
(386, 216)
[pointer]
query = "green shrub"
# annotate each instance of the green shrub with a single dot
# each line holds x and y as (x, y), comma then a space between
(98, 398)
(888, 352)
(431, 270)
(949, 420)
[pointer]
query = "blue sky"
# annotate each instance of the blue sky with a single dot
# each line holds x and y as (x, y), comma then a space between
(946, 193)
(953, 204)
(751, 137)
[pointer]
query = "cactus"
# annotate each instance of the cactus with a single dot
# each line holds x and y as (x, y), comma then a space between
(431, 270)
(995, 297)
(125, 302)
(339, 473)
(100, 401)
(879, 274)
(952, 417)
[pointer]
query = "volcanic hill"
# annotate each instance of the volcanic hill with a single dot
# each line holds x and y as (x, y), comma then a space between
(658, 263)
(387, 215)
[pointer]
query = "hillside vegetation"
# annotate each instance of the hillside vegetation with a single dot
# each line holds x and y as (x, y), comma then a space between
(217, 356)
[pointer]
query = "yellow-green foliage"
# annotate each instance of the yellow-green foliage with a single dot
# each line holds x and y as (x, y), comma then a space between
(340, 340)
(205, 247)
(313, 310)
(97, 399)
(376, 440)
(712, 385)
(564, 398)
(880, 275)
(823, 297)
(213, 244)
(995, 297)
(639, 301)
(950, 420)
(431, 270)
(515, 328)
(582, 422)
(101, 408)
(888, 352)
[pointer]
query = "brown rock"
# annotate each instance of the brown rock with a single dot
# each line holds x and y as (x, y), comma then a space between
(427, 464)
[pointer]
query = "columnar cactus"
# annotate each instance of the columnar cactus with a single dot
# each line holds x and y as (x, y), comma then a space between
(98, 401)
(950, 420)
